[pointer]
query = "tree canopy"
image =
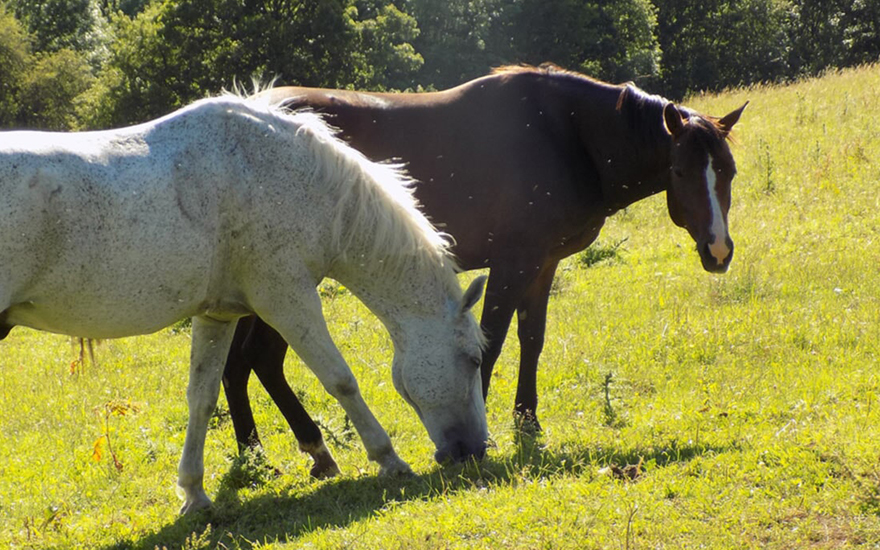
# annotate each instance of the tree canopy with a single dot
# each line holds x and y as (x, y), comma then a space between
(74, 64)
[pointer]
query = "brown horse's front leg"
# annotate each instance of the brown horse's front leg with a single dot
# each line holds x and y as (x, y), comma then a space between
(265, 350)
(532, 323)
(498, 307)
(506, 288)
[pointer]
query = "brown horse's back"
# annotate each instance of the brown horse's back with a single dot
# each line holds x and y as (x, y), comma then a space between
(493, 167)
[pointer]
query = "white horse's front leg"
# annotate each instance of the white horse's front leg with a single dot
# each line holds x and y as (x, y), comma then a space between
(210, 346)
(306, 331)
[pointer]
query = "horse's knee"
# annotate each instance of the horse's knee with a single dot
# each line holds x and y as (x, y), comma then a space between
(235, 375)
(342, 386)
(201, 404)
(531, 343)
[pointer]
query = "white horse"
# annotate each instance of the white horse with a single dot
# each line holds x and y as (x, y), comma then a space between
(227, 208)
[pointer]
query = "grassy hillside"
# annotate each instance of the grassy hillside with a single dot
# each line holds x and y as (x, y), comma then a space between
(747, 405)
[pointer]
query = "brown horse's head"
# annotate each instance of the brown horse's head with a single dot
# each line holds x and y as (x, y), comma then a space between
(702, 169)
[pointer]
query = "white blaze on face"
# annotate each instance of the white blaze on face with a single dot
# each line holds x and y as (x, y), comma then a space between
(718, 247)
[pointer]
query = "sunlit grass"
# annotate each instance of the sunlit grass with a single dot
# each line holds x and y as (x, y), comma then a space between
(750, 399)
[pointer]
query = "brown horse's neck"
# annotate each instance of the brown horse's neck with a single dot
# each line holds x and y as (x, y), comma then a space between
(623, 133)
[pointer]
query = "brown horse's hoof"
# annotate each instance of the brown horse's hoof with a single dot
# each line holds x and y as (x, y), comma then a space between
(526, 423)
(325, 467)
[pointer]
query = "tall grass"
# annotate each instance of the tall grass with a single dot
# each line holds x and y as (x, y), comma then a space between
(745, 405)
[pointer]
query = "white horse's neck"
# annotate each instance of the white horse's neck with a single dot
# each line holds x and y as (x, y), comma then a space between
(398, 296)
(380, 245)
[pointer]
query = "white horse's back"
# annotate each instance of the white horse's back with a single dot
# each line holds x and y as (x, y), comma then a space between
(153, 218)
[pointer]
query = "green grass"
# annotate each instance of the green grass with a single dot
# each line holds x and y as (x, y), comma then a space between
(751, 400)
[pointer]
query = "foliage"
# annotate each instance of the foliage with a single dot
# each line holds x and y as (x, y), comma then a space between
(453, 39)
(61, 24)
(712, 44)
(598, 252)
(835, 33)
(136, 82)
(41, 90)
(128, 7)
(389, 58)
(52, 88)
(14, 59)
(152, 57)
(462, 39)
(175, 52)
(614, 41)
(746, 405)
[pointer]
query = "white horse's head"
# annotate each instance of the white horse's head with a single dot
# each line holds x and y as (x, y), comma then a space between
(437, 370)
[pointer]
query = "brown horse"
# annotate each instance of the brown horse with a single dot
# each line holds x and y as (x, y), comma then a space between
(522, 167)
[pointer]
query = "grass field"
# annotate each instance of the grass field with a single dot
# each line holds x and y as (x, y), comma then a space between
(747, 406)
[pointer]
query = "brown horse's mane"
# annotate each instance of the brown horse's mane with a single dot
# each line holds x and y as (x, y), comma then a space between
(641, 109)
(547, 68)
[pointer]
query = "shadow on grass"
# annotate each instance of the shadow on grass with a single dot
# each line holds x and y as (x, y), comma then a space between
(287, 515)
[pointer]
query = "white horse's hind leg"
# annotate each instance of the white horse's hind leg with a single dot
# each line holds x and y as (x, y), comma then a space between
(304, 328)
(210, 345)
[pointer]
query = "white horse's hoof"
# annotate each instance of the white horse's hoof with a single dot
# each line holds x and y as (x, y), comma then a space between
(396, 467)
(192, 506)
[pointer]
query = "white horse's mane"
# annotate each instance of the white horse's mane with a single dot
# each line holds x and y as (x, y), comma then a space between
(374, 198)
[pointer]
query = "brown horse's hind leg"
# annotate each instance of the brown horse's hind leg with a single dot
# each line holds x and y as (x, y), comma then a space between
(265, 350)
(532, 323)
(235, 384)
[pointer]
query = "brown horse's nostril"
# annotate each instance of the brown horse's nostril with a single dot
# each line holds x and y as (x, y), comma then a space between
(720, 249)
(712, 263)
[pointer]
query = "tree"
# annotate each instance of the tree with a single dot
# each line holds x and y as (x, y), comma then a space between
(454, 39)
(176, 51)
(713, 44)
(611, 39)
(389, 58)
(59, 24)
(14, 59)
(862, 33)
(632, 48)
(833, 33)
(51, 89)
(136, 83)
(129, 7)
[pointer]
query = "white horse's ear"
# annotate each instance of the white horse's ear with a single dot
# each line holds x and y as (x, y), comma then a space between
(473, 294)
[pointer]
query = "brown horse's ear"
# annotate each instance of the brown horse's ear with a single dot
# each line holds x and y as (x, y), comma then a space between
(473, 294)
(727, 122)
(673, 119)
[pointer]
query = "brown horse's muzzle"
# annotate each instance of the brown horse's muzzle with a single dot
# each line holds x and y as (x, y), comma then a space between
(711, 260)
